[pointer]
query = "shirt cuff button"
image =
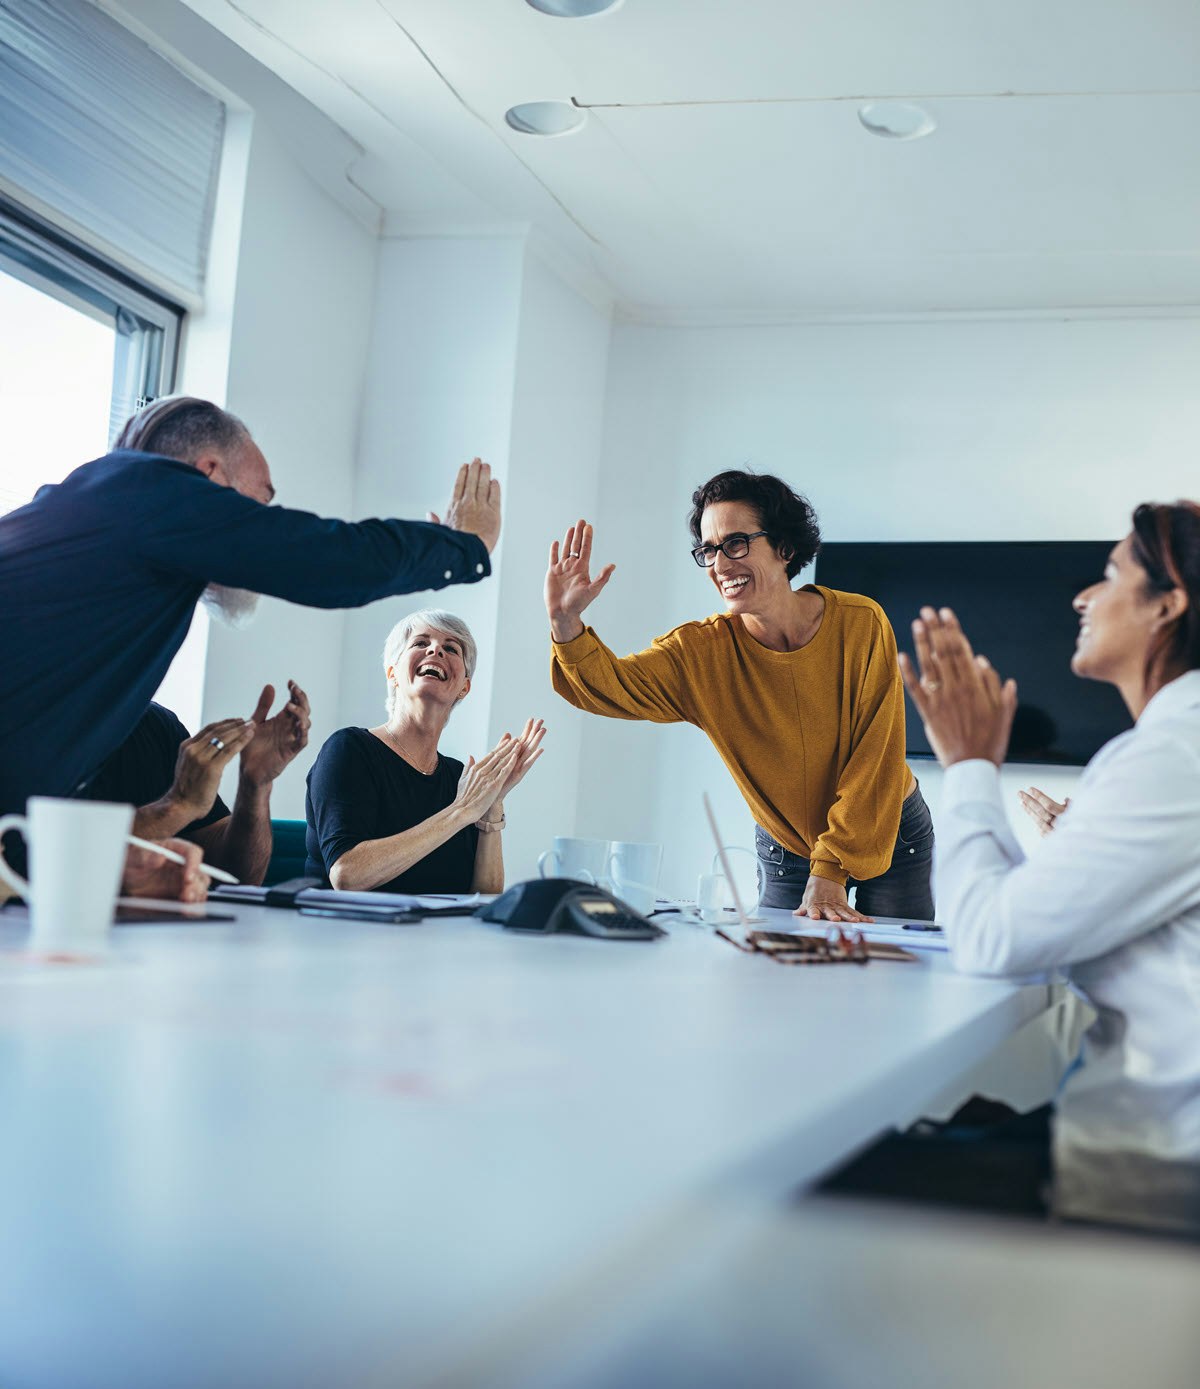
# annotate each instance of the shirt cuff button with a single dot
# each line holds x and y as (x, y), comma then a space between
(448, 574)
(479, 569)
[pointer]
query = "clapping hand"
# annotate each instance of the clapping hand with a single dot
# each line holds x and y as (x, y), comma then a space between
(482, 783)
(966, 711)
(529, 749)
(475, 503)
(276, 740)
(569, 584)
(1043, 810)
(201, 760)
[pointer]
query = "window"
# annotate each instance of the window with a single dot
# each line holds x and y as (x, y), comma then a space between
(83, 345)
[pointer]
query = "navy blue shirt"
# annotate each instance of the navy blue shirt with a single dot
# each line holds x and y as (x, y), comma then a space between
(99, 576)
(360, 789)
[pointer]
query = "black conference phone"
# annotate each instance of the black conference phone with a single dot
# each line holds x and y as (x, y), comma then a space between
(566, 904)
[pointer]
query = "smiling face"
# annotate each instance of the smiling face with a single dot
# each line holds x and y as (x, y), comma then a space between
(1119, 622)
(758, 580)
(431, 667)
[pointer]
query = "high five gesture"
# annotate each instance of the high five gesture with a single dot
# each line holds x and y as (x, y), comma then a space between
(569, 585)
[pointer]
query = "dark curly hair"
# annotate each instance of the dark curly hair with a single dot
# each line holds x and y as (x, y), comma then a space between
(786, 516)
(1166, 543)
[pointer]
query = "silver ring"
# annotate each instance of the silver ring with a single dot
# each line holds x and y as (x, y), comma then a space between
(931, 686)
(574, 554)
(217, 743)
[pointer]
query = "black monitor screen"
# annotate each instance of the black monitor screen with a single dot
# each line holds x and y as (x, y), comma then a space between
(1013, 599)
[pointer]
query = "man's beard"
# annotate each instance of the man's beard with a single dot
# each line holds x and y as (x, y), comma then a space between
(233, 606)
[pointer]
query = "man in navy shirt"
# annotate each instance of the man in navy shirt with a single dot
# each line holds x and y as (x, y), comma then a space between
(100, 574)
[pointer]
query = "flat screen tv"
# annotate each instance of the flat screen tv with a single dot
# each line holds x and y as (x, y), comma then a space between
(1014, 601)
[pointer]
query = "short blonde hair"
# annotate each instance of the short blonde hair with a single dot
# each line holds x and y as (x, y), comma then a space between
(441, 621)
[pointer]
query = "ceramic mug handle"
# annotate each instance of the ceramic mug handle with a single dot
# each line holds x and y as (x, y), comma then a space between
(10, 875)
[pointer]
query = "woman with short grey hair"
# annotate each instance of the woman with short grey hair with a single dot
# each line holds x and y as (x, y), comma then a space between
(386, 810)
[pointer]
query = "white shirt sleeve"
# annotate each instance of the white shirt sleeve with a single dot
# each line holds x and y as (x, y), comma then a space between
(1120, 862)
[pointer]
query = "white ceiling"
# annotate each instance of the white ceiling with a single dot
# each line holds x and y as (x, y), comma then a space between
(722, 173)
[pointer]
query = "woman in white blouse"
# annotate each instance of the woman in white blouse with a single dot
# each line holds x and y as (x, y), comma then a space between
(1113, 895)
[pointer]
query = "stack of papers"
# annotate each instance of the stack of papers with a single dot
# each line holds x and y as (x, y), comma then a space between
(324, 896)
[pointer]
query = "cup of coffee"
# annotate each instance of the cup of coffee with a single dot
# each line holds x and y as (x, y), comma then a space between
(633, 870)
(76, 851)
(584, 859)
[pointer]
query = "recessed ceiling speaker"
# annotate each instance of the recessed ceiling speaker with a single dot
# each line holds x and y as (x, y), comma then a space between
(896, 120)
(572, 9)
(545, 117)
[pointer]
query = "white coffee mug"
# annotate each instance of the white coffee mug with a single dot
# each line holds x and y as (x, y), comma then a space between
(633, 871)
(76, 852)
(585, 859)
(712, 897)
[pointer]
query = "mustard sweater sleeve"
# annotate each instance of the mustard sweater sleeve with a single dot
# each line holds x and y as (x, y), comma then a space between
(649, 685)
(865, 815)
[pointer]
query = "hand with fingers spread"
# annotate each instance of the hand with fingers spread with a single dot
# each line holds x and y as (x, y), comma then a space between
(966, 710)
(1043, 810)
(570, 587)
(825, 900)
(474, 504)
(276, 740)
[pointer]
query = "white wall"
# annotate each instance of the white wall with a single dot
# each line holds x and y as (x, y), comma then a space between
(477, 348)
(905, 431)
(295, 332)
(438, 392)
(553, 476)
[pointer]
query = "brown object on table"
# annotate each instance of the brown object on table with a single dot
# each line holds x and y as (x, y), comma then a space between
(836, 947)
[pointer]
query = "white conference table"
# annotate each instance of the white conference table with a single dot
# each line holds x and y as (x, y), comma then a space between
(298, 1151)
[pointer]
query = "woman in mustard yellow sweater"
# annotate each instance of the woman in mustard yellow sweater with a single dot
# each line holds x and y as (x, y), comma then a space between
(798, 690)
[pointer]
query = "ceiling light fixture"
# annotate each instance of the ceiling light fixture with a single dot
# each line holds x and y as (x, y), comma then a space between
(545, 117)
(572, 9)
(896, 120)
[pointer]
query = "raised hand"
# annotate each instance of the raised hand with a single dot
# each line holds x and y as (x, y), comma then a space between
(474, 504)
(966, 711)
(569, 584)
(276, 740)
(1043, 810)
(201, 760)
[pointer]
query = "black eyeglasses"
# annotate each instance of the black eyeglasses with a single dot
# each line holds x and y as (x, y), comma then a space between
(734, 546)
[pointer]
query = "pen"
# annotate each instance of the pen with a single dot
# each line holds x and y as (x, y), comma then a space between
(921, 926)
(172, 857)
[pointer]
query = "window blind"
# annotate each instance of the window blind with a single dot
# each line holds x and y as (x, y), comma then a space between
(105, 132)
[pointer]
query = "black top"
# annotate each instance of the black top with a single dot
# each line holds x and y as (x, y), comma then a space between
(360, 789)
(143, 767)
(99, 576)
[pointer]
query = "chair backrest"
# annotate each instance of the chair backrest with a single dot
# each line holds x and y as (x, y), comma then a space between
(287, 851)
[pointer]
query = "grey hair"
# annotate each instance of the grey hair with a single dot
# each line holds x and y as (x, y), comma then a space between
(441, 621)
(182, 427)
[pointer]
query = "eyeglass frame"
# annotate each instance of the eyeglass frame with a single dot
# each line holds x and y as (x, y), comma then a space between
(699, 551)
(837, 947)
